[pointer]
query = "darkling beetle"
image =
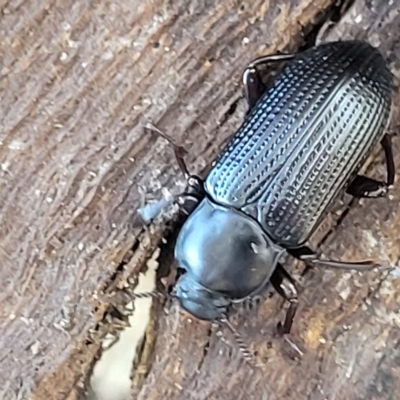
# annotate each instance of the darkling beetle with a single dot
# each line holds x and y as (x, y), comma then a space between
(299, 148)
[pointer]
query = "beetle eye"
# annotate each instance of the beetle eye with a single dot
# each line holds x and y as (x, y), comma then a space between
(179, 272)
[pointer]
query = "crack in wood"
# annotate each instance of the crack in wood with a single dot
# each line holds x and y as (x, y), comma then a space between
(70, 164)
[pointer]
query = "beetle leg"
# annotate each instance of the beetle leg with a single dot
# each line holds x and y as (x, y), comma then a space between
(254, 87)
(285, 285)
(305, 254)
(188, 200)
(391, 170)
(362, 186)
(243, 347)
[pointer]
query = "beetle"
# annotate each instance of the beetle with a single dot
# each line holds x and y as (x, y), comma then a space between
(300, 147)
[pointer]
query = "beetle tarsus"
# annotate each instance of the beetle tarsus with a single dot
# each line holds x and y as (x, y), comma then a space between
(243, 347)
(285, 285)
(357, 265)
(308, 256)
(293, 345)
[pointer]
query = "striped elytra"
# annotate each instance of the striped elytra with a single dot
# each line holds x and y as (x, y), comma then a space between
(305, 139)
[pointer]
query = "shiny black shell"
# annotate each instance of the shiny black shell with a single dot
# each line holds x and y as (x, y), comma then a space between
(305, 139)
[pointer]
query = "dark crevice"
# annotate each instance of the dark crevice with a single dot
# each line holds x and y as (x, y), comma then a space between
(231, 110)
(205, 349)
(139, 350)
(167, 245)
(112, 314)
(113, 279)
(135, 245)
(325, 21)
(341, 9)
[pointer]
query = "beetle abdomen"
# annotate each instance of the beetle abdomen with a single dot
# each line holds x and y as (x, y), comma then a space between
(305, 139)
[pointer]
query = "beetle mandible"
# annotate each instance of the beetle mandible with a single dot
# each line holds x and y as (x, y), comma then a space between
(300, 147)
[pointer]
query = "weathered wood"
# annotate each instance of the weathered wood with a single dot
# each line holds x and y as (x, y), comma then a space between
(347, 324)
(77, 79)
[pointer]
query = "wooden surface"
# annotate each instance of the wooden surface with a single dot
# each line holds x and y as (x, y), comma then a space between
(347, 323)
(77, 79)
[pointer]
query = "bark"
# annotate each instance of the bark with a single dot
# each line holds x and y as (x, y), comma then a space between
(77, 81)
(347, 323)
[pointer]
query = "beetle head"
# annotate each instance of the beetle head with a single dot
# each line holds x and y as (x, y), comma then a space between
(198, 301)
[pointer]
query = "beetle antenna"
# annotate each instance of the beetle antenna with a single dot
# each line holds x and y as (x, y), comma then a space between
(243, 347)
(186, 201)
(125, 297)
(155, 294)
(179, 151)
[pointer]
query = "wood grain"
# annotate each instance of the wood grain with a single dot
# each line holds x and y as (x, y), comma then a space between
(77, 79)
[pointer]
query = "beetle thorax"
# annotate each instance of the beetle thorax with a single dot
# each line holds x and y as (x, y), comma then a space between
(225, 251)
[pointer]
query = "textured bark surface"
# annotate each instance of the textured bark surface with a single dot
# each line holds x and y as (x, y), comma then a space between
(76, 81)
